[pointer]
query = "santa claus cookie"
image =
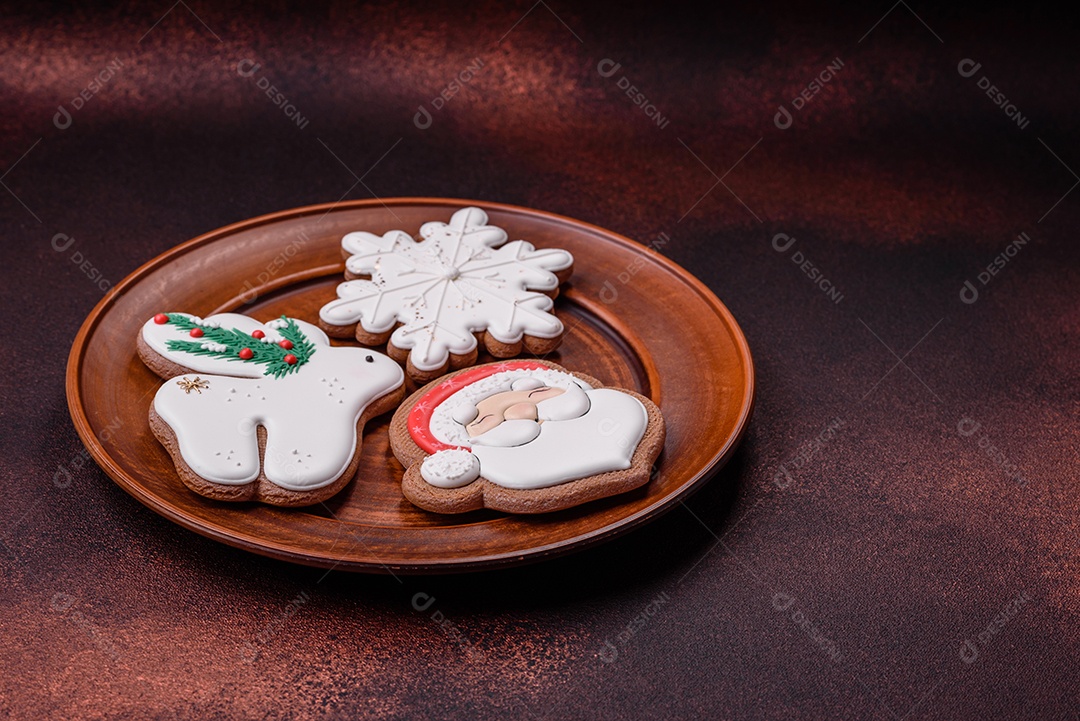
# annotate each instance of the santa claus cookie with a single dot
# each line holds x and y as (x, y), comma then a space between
(262, 411)
(434, 300)
(522, 436)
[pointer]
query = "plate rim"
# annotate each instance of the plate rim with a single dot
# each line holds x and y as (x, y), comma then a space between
(256, 544)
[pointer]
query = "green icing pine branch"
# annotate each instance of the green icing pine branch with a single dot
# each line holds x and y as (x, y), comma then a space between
(302, 347)
(240, 346)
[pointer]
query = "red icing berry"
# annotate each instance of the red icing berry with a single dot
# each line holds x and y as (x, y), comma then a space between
(196, 333)
(161, 319)
(257, 334)
(290, 359)
(245, 354)
(286, 344)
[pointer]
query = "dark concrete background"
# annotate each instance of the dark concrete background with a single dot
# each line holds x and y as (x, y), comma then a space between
(897, 536)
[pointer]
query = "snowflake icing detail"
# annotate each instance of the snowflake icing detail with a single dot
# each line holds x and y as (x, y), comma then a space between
(460, 279)
(196, 384)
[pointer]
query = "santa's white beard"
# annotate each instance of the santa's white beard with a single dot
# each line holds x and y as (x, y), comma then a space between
(603, 439)
(572, 403)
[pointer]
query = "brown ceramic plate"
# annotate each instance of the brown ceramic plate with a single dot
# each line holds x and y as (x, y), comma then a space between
(634, 319)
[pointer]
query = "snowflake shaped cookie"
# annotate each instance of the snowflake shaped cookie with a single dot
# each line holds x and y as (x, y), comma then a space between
(434, 299)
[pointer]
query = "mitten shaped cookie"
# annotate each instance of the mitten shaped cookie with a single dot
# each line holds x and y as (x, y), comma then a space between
(523, 437)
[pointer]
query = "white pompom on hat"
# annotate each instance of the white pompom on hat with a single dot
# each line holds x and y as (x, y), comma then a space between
(450, 469)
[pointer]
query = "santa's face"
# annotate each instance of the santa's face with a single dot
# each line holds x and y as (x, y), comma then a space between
(494, 410)
(530, 431)
(513, 418)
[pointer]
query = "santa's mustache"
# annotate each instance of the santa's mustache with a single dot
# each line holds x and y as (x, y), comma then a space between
(574, 403)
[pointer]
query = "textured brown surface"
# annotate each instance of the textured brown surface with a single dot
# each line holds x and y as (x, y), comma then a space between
(850, 571)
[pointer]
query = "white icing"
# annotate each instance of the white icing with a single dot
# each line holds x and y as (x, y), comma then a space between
(216, 347)
(526, 384)
(602, 440)
(445, 428)
(464, 413)
(310, 414)
(513, 432)
(455, 282)
(157, 336)
(574, 403)
(450, 469)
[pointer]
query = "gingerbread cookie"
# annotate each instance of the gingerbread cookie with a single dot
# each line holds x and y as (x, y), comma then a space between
(434, 300)
(523, 436)
(266, 412)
